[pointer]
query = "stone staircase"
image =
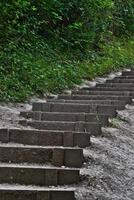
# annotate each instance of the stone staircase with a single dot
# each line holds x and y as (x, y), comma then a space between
(40, 163)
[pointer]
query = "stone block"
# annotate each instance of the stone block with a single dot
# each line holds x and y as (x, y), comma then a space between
(128, 73)
(51, 177)
(21, 154)
(73, 157)
(4, 135)
(62, 195)
(93, 128)
(50, 138)
(68, 177)
(80, 127)
(37, 115)
(58, 157)
(68, 139)
(17, 195)
(43, 195)
(37, 106)
(82, 139)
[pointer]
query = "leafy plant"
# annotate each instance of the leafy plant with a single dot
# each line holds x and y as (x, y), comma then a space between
(50, 45)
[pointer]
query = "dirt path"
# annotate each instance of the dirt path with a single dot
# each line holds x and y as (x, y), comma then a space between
(9, 114)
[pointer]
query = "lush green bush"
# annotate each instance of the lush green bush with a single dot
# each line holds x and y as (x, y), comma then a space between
(73, 23)
(123, 19)
(45, 43)
(115, 55)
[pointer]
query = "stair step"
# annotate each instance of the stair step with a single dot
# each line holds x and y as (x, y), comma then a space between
(110, 89)
(119, 80)
(73, 117)
(124, 89)
(93, 128)
(74, 108)
(37, 175)
(118, 104)
(45, 138)
(96, 97)
(128, 73)
(116, 85)
(125, 77)
(57, 156)
(22, 192)
(101, 92)
(31, 159)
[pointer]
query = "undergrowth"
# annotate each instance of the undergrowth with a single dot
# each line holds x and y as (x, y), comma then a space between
(48, 46)
(44, 69)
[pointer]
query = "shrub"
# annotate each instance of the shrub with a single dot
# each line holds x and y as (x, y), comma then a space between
(45, 43)
(123, 18)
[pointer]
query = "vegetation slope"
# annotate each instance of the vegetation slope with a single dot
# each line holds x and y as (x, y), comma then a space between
(50, 45)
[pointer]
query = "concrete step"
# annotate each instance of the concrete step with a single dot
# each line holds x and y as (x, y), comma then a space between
(37, 175)
(45, 138)
(118, 80)
(74, 108)
(96, 97)
(22, 192)
(73, 117)
(92, 128)
(116, 85)
(57, 156)
(118, 104)
(103, 93)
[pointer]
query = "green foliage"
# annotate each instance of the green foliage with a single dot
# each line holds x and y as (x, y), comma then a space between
(123, 17)
(73, 23)
(114, 56)
(49, 45)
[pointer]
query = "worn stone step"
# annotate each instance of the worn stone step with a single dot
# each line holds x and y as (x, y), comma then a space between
(45, 138)
(118, 80)
(124, 89)
(37, 175)
(74, 108)
(103, 93)
(96, 97)
(125, 77)
(116, 85)
(93, 128)
(73, 117)
(58, 156)
(118, 104)
(22, 192)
